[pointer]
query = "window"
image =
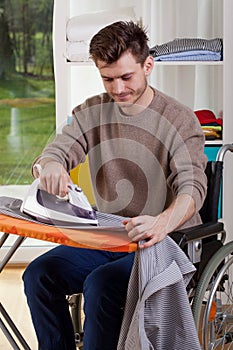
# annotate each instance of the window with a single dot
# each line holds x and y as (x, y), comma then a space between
(27, 105)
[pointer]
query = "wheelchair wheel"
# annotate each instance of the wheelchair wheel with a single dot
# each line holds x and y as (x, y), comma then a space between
(213, 301)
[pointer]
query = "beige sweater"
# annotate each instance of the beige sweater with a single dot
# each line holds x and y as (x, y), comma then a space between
(138, 163)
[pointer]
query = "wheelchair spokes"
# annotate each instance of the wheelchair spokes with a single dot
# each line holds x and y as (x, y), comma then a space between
(213, 303)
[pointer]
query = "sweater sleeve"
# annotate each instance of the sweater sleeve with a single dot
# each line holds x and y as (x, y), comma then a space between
(68, 148)
(71, 145)
(187, 158)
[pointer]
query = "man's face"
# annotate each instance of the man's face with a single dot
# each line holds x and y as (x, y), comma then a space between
(125, 80)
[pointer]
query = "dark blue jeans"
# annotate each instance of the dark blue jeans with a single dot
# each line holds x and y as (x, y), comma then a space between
(103, 279)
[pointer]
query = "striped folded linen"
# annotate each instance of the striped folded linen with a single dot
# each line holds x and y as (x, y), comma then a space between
(187, 44)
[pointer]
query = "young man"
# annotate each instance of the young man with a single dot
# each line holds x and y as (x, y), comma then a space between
(147, 164)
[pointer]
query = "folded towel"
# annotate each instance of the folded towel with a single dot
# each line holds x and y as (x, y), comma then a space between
(77, 51)
(83, 27)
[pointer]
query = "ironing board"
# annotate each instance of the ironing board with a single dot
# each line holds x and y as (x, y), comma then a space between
(113, 239)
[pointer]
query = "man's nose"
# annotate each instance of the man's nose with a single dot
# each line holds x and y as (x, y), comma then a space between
(118, 86)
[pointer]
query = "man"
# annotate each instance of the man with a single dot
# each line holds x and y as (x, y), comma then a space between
(147, 164)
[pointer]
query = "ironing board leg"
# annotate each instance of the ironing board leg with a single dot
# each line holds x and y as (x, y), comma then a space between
(11, 251)
(14, 330)
(8, 335)
(3, 313)
(3, 239)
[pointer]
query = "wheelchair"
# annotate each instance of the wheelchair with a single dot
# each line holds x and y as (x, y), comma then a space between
(211, 289)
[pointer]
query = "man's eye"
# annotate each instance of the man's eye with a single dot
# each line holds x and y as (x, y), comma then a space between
(127, 77)
(107, 79)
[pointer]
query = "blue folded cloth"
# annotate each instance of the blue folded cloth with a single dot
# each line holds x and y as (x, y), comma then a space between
(193, 55)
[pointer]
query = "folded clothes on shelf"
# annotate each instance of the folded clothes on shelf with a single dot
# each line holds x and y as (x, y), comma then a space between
(80, 29)
(195, 55)
(84, 26)
(183, 49)
(211, 126)
(77, 51)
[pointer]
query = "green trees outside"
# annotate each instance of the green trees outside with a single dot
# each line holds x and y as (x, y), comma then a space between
(27, 106)
(26, 37)
(7, 58)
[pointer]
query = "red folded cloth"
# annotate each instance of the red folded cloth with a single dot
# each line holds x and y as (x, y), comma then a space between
(206, 116)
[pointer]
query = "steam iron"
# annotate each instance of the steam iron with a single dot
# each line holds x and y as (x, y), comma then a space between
(72, 210)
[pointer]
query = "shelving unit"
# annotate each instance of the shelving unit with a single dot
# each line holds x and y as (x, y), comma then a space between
(70, 76)
(222, 92)
(67, 74)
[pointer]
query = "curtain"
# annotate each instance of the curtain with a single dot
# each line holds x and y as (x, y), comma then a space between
(198, 86)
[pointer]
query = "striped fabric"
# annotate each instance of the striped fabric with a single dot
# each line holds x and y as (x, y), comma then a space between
(109, 220)
(187, 44)
(157, 312)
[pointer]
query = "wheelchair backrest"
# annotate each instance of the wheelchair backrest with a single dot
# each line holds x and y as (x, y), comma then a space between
(210, 209)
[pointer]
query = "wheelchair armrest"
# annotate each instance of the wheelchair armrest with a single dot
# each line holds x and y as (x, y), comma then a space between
(183, 236)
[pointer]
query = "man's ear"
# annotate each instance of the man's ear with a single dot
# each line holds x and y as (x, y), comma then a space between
(148, 65)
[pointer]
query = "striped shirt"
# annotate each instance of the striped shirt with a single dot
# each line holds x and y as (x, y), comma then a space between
(157, 312)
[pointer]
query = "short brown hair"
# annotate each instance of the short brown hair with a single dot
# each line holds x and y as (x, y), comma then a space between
(115, 39)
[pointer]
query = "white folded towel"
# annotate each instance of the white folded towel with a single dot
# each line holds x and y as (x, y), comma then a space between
(83, 27)
(77, 51)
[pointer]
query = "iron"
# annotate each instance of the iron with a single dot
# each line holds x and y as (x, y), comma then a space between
(73, 209)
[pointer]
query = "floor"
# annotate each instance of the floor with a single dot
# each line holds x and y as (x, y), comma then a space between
(13, 299)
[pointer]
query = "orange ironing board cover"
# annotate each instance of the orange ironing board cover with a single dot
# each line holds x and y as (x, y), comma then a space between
(110, 239)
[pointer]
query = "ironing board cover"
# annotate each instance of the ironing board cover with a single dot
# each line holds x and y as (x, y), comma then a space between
(111, 238)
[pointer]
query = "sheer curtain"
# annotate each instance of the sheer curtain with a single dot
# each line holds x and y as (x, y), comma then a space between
(198, 86)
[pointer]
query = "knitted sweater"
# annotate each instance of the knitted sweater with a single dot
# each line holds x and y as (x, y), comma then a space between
(138, 163)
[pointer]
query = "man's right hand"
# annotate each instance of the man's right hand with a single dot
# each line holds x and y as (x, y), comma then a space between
(53, 178)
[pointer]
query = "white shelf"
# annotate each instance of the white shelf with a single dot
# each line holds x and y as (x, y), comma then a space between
(80, 64)
(213, 142)
(160, 63)
(188, 63)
